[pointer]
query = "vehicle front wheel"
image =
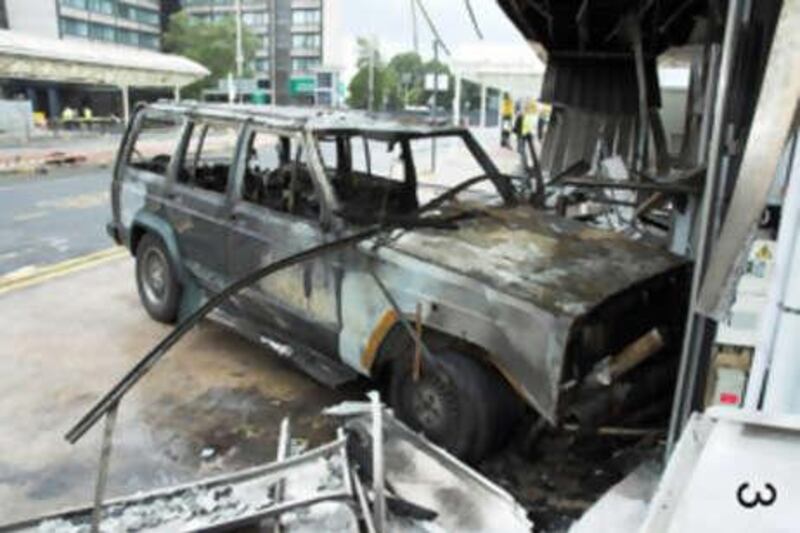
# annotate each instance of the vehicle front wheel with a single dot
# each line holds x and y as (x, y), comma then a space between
(156, 279)
(457, 402)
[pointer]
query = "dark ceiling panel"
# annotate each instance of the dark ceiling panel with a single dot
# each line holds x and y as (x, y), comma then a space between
(596, 25)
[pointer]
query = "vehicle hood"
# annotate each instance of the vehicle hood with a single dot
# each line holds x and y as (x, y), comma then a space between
(560, 265)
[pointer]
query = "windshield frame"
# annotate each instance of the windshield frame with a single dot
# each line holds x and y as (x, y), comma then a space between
(502, 183)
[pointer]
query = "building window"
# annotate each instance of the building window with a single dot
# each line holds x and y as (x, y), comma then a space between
(147, 40)
(255, 18)
(305, 63)
(105, 7)
(101, 32)
(260, 65)
(74, 27)
(306, 16)
(324, 98)
(127, 37)
(324, 80)
(78, 4)
(306, 41)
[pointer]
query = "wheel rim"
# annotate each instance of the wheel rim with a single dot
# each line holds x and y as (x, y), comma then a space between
(154, 275)
(431, 403)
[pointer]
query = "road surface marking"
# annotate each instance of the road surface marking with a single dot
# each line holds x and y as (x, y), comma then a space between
(81, 201)
(33, 275)
(30, 216)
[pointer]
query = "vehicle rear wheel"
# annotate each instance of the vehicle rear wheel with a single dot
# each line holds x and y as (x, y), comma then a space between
(456, 402)
(156, 279)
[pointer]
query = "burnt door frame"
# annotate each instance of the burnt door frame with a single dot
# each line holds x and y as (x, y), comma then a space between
(201, 217)
(301, 302)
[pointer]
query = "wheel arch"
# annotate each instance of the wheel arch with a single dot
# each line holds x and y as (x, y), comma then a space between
(397, 341)
(145, 222)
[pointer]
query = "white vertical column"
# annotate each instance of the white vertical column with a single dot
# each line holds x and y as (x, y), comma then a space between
(780, 321)
(457, 101)
(126, 104)
(500, 93)
(484, 91)
(177, 93)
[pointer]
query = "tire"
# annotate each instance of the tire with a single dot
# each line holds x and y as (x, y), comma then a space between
(459, 403)
(156, 279)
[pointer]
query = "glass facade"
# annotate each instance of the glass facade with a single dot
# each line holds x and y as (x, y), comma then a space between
(307, 41)
(290, 38)
(3, 15)
(306, 16)
(114, 21)
(305, 29)
(305, 64)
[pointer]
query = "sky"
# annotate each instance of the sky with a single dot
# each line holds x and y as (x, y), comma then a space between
(390, 21)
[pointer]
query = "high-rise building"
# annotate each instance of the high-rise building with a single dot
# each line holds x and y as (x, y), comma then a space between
(298, 44)
(3, 15)
(127, 22)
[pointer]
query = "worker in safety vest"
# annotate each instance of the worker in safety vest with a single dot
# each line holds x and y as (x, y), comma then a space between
(526, 124)
(506, 120)
(68, 116)
(544, 120)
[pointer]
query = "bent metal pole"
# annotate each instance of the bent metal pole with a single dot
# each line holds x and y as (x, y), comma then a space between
(112, 397)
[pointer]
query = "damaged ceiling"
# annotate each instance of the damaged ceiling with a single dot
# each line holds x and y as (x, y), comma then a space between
(597, 26)
(590, 46)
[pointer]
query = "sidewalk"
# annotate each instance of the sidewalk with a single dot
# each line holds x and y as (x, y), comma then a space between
(214, 404)
(32, 157)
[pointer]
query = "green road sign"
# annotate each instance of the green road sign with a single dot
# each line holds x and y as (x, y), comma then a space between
(302, 85)
(260, 97)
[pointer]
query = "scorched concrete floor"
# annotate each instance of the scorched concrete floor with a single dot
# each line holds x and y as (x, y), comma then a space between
(63, 343)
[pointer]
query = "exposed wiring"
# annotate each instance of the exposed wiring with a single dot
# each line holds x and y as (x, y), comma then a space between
(473, 18)
(432, 26)
(414, 27)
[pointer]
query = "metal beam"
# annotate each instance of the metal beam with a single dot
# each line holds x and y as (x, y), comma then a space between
(773, 121)
(696, 343)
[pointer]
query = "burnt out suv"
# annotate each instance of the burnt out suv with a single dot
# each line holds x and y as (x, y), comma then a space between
(514, 306)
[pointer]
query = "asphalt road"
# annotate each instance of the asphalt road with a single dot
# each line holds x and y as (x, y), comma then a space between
(47, 219)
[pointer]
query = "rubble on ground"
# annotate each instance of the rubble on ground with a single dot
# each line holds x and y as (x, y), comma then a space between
(331, 487)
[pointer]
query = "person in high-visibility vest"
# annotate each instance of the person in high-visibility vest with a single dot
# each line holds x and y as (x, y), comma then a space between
(526, 125)
(544, 119)
(506, 120)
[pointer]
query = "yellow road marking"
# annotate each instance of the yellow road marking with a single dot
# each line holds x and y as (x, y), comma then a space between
(28, 276)
(30, 216)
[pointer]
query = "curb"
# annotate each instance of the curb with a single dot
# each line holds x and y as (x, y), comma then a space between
(29, 276)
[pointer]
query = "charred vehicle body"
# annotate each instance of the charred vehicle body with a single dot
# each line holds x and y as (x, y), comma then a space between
(512, 306)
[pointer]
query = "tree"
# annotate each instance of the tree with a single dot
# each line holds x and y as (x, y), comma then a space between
(366, 48)
(212, 44)
(359, 85)
(444, 98)
(359, 88)
(410, 75)
(400, 83)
